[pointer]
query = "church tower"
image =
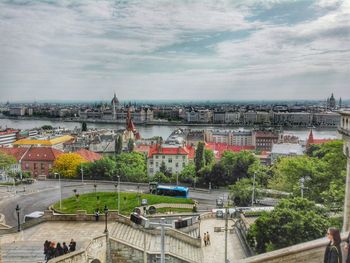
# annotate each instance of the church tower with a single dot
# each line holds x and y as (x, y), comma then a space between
(115, 103)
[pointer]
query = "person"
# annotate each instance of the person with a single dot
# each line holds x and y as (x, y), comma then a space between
(59, 250)
(52, 251)
(333, 252)
(205, 239)
(65, 248)
(97, 214)
(208, 238)
(72, 245)
(347, 248)
(46, 248)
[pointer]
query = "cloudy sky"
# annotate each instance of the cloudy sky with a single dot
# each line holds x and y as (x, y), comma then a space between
(186, 50)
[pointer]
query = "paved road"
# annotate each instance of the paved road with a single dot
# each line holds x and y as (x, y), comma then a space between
(40, 195)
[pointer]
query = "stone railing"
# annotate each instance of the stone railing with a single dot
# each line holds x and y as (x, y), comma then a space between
(311, 252)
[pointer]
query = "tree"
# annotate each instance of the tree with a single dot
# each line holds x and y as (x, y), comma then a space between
(160, 178)
(291, 222)
(67, 164)
(6, 160)
(131, 167)
(47, 127)
(199, 157)
(209, 157)
(118, 145)
(237, 165)
(188, 173)
(241, 192)
(83, 126)
(131, 145)
(103, 168)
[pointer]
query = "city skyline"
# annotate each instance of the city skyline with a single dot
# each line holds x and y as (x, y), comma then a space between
(178, 50)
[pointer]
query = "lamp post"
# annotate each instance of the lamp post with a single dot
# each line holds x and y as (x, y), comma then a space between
(253, 193)
(302, 181)
(18, 222)
(106, 215)
(199, 222)
(118, 194)
(82, 173)
(59, 181)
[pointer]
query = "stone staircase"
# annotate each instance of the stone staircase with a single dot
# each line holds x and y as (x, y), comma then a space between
(22, 252)
(178, 248)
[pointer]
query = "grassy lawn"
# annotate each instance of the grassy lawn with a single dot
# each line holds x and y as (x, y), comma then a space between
(128, 201)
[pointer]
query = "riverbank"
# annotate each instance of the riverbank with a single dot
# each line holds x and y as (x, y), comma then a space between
(158, 123)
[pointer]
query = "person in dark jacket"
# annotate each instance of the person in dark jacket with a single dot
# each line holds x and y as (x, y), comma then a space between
(52, 251)
(333, 252)
(65, 248)
(347, 248)
(72, 245)
(59, 250)
(46, 248)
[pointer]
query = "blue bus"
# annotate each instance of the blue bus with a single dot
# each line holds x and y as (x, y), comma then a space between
(173, 191)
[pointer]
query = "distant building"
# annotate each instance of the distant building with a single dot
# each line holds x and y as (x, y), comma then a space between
(326, 119)
(311, 140)
(17, 111)
(89, 156)
(219, 148)
(263, 140)
(285, 150)
(174, 158)
(8, 137)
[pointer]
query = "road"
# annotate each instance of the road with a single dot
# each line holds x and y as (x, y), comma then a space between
(40, 195)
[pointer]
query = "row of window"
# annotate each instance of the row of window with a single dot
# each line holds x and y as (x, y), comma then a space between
(36, 166)
(176, 157)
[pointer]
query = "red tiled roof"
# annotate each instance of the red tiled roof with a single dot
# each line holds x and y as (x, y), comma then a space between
(142, 148)
(219, 148)
(320, 141)
(15, 152)
(42, 154)
(89, 155)
(158, 149)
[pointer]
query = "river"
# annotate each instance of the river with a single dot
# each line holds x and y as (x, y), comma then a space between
(150, 131)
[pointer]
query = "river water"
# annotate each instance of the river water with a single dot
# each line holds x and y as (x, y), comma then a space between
(150, 131)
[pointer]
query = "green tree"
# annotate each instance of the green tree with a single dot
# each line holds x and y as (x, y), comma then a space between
(131, 167)
(291, 222)
(103, 168)
(188, 173)
(209, 157)
(199, 157)
(160, 178)
(241, 192)
(83, 126)
(237, 165)
(6, 160)
(47, 127)
(118, 143)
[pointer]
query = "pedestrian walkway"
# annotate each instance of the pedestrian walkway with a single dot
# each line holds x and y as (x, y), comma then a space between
(215, 252)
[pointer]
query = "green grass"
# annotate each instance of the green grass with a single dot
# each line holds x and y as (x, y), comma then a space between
(89, 202)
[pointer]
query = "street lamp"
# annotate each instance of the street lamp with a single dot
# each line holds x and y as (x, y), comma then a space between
(199, 221)
(59, 181)
(18, 222)
(82, 173)
(106, 215)
(118, 194)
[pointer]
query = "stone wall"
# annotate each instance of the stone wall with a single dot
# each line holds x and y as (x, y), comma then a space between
(124, 253)
(310, 252)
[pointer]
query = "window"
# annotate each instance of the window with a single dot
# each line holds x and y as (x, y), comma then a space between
(42, 166)
(183, 164)
(183, 157)
(170, 160)
(163, 157)
(26, 165)
(176, 164)
(157, 164)
(35, 166)
(157, 156)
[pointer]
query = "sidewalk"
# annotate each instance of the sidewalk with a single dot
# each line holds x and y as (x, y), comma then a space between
(215, 252)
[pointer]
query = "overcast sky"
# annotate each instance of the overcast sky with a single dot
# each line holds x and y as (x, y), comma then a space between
(188, 50)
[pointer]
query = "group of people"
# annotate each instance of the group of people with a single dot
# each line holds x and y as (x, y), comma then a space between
(206, 239)
(52, 250)
(333, 253)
